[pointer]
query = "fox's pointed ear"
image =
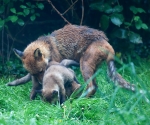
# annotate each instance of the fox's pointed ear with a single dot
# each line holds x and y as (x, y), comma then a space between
(37, 54)
(18, 53)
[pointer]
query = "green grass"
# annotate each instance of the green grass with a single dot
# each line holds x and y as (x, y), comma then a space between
(110, 105)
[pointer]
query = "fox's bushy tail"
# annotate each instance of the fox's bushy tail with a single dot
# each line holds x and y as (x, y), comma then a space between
(117, 78)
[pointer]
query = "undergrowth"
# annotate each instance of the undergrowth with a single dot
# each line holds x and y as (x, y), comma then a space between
(110, 105)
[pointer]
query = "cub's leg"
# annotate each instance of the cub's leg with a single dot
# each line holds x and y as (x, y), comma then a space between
(62, 92)
(36, 86)
(62, 95)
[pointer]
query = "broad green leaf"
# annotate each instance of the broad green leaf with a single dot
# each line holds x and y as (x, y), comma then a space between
(6, 1)
(23, 6)
(117, 8)
(20, 13)
(95, 6)
(98, 6)
(32, 18)
(144, 26)
(140, 10)
(136, 10)
(104, 22)
(13, 10)
(20, 22)
(127, 23)
(26, 11)
(13, 18)
(134, 37)
(40, 6)
(1, 23)
(117, 19)
(2, 9)
(28, 3)
(137, 18)
(138, 24)
(120, 33)
(107, 8)
(133, 9)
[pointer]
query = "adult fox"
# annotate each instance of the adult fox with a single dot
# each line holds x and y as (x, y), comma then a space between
(85, 45)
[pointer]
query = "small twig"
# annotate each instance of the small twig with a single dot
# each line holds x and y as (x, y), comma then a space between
(20, 30)
(70, 7)
(3, 38)
(3, 45)
(57, 11)
(7, 48)
(9, 35)
(42, 22)
(82, 12)
(39, 0)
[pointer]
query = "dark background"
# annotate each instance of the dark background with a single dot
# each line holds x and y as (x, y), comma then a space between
(13, 35)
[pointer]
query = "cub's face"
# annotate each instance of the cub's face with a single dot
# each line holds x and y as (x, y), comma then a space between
(51, 96)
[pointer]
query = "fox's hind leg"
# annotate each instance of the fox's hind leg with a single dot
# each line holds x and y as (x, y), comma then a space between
(93, 56)
(88, 68)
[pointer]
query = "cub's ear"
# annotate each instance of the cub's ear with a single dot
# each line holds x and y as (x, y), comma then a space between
(55, 93)
(37, 54)
(18, 53)
(69, 63)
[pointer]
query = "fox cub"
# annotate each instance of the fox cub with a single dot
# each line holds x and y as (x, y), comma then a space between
(59, 82)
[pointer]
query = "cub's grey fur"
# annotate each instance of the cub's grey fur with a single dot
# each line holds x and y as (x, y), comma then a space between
(59, 82)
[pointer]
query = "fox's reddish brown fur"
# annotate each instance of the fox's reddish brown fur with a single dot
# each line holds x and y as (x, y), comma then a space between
(80, 43)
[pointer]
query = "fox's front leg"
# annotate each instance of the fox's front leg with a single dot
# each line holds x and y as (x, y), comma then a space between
(36, 86)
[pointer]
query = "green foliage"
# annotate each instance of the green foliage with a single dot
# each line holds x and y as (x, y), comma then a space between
(114, 12)
(17, 15)
(14, 13)
(117, 19)
(136, 10)
(12, 67)
(104, 22)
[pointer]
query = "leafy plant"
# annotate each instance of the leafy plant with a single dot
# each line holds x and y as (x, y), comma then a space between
(114, 13)
(12, 67)
(15, 13)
